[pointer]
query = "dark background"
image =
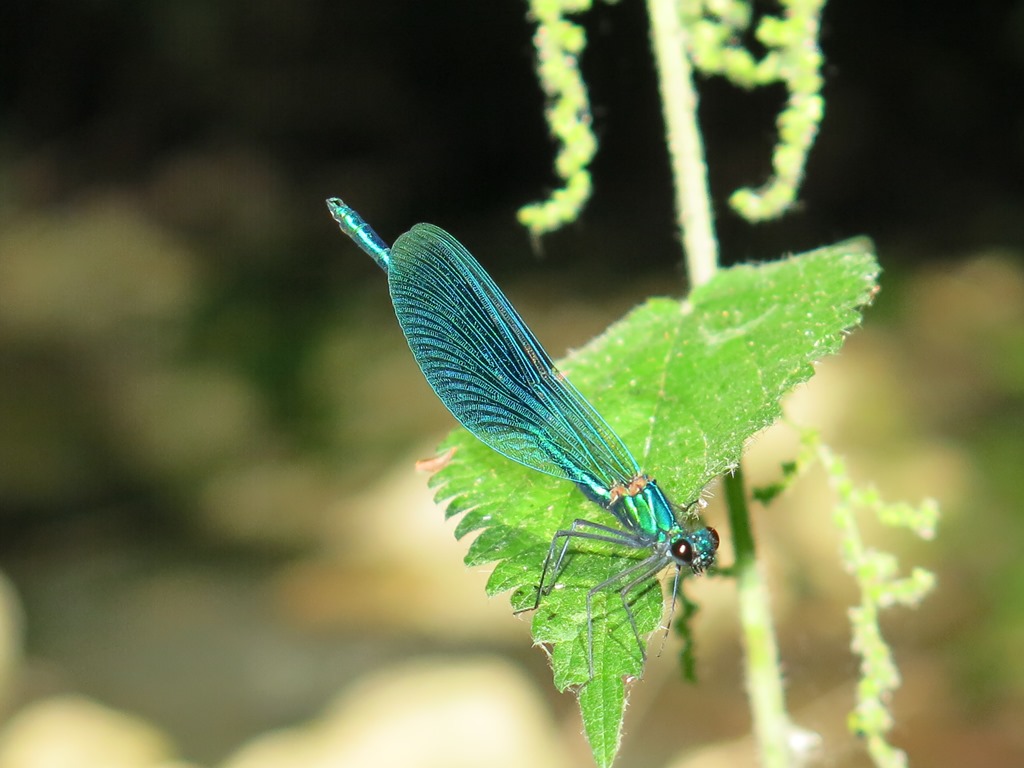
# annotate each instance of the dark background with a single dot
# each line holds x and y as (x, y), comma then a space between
(202, 384)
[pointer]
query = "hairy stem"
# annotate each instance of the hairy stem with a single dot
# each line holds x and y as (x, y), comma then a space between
(764, 677)
(685, 146)
(693, 210)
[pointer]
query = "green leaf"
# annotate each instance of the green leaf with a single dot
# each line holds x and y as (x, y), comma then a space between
(685, 384)
(602, 702)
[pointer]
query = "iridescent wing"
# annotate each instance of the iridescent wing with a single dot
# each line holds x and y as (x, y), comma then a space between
(490, 370)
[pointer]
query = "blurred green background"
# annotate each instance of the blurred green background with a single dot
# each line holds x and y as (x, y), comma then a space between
(214, 548)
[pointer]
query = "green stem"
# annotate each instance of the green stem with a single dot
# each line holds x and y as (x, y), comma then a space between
(764, 677)
(693, 209)
(682, 134)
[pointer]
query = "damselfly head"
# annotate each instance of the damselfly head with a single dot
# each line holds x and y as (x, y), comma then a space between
(695, 549)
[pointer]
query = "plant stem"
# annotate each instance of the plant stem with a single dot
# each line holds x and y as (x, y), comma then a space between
(764, 678)
(693, 211)
(685, 146)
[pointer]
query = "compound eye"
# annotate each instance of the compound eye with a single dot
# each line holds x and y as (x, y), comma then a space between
(682, 551)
